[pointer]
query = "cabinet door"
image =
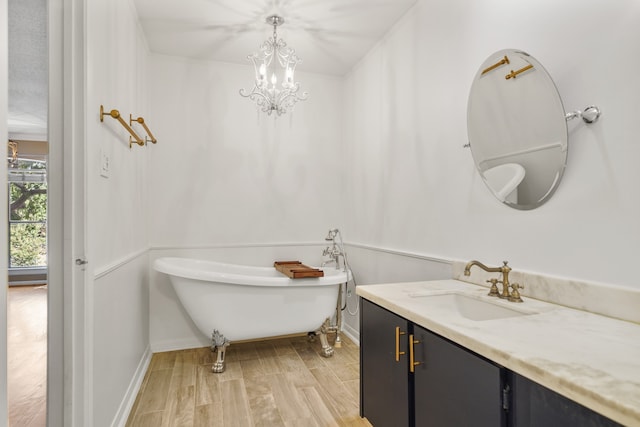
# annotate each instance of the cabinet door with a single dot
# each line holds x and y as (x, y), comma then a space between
(453, 386)
(535, 405)
(384, 383)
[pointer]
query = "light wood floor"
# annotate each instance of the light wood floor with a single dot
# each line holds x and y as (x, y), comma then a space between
(27, 355)
(281, 382)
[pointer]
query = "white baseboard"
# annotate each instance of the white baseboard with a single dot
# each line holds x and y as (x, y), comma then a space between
(181, 344)
(353, 334)
(132, 391)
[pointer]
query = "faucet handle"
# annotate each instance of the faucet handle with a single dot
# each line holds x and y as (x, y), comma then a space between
(515, 294)
(493, 292)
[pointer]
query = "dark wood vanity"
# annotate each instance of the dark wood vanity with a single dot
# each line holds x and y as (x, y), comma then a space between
(410, 376)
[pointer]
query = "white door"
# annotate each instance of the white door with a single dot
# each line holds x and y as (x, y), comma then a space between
(68, 328)
(4, 81)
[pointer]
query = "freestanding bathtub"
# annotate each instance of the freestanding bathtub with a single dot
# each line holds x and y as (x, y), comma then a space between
(231, 302)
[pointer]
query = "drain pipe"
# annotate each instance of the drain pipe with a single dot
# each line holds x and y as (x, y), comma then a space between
(338, 342)
(335, 253)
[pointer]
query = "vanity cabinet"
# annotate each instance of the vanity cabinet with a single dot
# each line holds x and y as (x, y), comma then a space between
(410, 376)
(453, 386)
(413, 377)
(384, 383)
(535, 405)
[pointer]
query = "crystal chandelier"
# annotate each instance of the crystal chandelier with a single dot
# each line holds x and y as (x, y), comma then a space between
(269, 93)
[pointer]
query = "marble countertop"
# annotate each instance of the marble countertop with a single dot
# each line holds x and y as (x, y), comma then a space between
(589, 358)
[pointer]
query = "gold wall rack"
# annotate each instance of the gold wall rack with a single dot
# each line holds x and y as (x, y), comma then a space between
(503, 61)
(513, 74)
(144, 125)
(116, 115)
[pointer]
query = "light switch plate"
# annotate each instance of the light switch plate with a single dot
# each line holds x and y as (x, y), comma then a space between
(105, 164)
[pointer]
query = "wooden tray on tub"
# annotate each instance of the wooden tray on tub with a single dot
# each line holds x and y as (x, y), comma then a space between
(297, 270)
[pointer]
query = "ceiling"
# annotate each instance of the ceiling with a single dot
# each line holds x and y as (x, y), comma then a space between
(28, 88)
(330, 36)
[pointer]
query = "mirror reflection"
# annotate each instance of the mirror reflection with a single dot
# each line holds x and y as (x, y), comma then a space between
(517, 129)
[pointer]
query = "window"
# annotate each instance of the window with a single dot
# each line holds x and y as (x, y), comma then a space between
(27, 215)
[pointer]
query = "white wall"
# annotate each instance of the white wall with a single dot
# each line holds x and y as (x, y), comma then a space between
(116, 78)
(408, 193)
(121, 336)
(222, 173)
(117, 292)
(412, 187)
(229, 183)
(375, 264)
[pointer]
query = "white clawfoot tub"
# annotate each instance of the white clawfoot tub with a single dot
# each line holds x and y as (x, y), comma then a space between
(236, 302)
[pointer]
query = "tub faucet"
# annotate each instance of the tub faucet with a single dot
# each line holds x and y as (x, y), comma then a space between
(334, 251)
(505, 269)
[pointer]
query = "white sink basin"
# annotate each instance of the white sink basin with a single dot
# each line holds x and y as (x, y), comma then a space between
(470, 307)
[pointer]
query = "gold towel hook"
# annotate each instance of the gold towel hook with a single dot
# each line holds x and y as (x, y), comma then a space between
(144, 125)
(116, 115)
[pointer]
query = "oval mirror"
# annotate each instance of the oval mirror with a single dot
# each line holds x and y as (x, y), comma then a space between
(517, 129)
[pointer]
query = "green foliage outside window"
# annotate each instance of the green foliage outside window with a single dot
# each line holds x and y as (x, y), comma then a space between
(28, 245)
(27, 225)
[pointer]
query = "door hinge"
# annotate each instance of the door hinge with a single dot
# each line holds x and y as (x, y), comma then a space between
(506, 397)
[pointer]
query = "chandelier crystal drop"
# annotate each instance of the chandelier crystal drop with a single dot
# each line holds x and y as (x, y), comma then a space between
(275, 88)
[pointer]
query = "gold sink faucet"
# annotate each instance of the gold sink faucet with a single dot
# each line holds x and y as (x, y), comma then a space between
(505, 269)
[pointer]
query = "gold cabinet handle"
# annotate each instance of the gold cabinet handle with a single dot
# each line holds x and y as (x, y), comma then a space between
(412, 362)
(398, 352)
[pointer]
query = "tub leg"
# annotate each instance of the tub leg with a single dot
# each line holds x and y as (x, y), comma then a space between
(327, 350)
(219, 346)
